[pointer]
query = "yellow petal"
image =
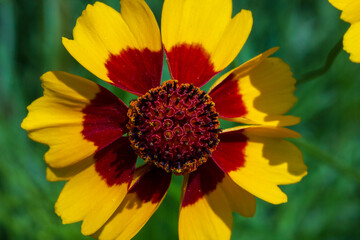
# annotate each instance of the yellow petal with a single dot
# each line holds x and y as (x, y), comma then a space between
(209, 217)
(340, 4)
(120, 50)
(56, 118)
(351, 12)
(247, 66)
(266, 131)
(208, 37)
(240, 201)
(195, 21)
(87, 197)
(260, 162)
(233, 39)
(352, 42)
(142, 23)
(95, 193)
(66, 173)
(99, 31)
(143, 199)
(74, 114)
(258, 92)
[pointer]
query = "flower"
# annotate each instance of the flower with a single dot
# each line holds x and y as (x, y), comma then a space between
(350, 13)
(95, 139)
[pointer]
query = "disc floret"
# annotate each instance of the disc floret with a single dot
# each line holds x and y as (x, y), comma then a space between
(174, 126)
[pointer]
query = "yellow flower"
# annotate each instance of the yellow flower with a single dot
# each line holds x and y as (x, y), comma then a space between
(95, 139)
(351, 14)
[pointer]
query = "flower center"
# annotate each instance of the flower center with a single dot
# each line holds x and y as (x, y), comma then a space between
(174, 126)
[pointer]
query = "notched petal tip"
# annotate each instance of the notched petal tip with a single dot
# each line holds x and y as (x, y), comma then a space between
(282, 198)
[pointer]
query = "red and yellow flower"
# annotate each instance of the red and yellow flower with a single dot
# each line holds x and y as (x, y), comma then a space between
(95, 139)
(351, 14)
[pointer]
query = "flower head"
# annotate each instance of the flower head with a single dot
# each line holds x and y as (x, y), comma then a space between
(350, 13)
(95, 139)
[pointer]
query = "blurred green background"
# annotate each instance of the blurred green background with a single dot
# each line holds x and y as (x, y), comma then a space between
(325, 205)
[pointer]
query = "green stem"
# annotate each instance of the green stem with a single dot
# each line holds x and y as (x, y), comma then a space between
(329, 61)
(328, 159)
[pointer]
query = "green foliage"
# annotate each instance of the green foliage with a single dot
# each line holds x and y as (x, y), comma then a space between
(325, 205)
